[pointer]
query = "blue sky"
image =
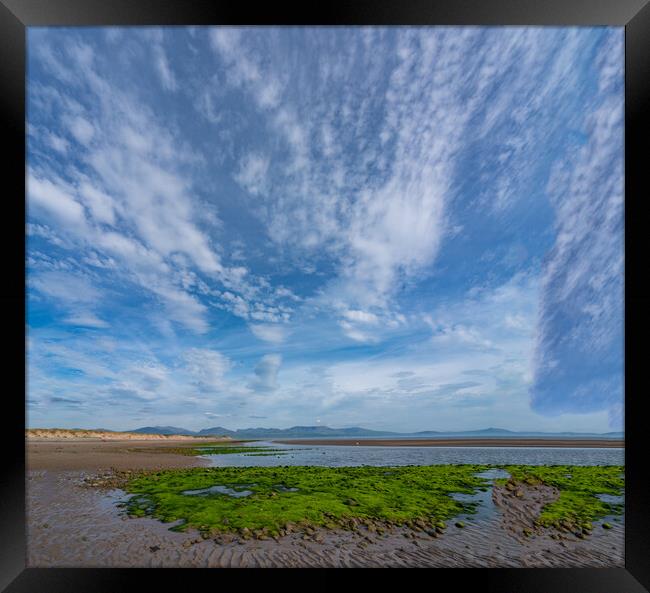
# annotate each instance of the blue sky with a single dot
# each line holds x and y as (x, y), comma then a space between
(398, 228)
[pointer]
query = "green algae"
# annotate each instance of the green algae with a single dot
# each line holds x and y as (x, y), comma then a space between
(220, 448)
(303, 495)
(337, 497)
(578, 504)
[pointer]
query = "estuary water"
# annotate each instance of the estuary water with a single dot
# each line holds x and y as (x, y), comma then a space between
(357, 455)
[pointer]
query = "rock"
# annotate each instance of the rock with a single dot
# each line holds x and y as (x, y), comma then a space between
(519, 493)
(187, 543)
(527, 531)
(606, 526)
(351, 502)
(460, 524)
(154, 548)
(441, 525)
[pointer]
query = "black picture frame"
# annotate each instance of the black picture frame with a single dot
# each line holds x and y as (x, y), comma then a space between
(16, 15)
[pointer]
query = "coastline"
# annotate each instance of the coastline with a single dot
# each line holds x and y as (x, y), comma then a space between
(459, 442)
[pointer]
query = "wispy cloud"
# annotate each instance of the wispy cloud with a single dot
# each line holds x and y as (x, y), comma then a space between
(349, 224)
(579, 349)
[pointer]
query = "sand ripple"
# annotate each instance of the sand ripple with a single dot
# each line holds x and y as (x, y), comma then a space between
(73, 526)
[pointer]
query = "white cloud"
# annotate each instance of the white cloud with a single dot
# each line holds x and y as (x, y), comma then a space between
(363, 317)
(266, 373)
(207, 368)
(86, 320)
(252, 174)
(81, 129)
(276, 334)
(65, 287)
(163, 68)
(101, 206)
(55, 201)
(59, 144)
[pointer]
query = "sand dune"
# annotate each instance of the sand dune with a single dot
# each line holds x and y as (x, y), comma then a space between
(66, 434)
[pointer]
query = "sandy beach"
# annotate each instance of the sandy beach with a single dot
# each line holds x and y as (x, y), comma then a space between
(95, 455)
(73, 525)
(460, 442)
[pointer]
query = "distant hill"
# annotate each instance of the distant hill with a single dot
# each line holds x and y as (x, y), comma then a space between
(356, 431)
(294, 431)
(162, 430)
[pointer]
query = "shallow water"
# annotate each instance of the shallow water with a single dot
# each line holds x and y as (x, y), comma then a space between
(357, 455)
(484, 506)
(219, 489)
(612, 498)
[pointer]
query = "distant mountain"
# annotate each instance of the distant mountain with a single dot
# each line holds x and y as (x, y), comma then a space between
(356, 431)
(162, 430)
(294, 431)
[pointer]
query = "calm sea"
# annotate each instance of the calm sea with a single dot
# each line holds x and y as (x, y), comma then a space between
(341, 455)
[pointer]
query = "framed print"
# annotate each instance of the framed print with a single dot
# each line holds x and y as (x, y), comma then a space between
(359, 288)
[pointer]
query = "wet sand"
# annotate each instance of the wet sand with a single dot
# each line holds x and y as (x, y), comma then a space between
(103, 455)
(70, 524)
(467, 442)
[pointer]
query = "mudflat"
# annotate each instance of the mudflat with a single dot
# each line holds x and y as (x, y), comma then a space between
(466, 442)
